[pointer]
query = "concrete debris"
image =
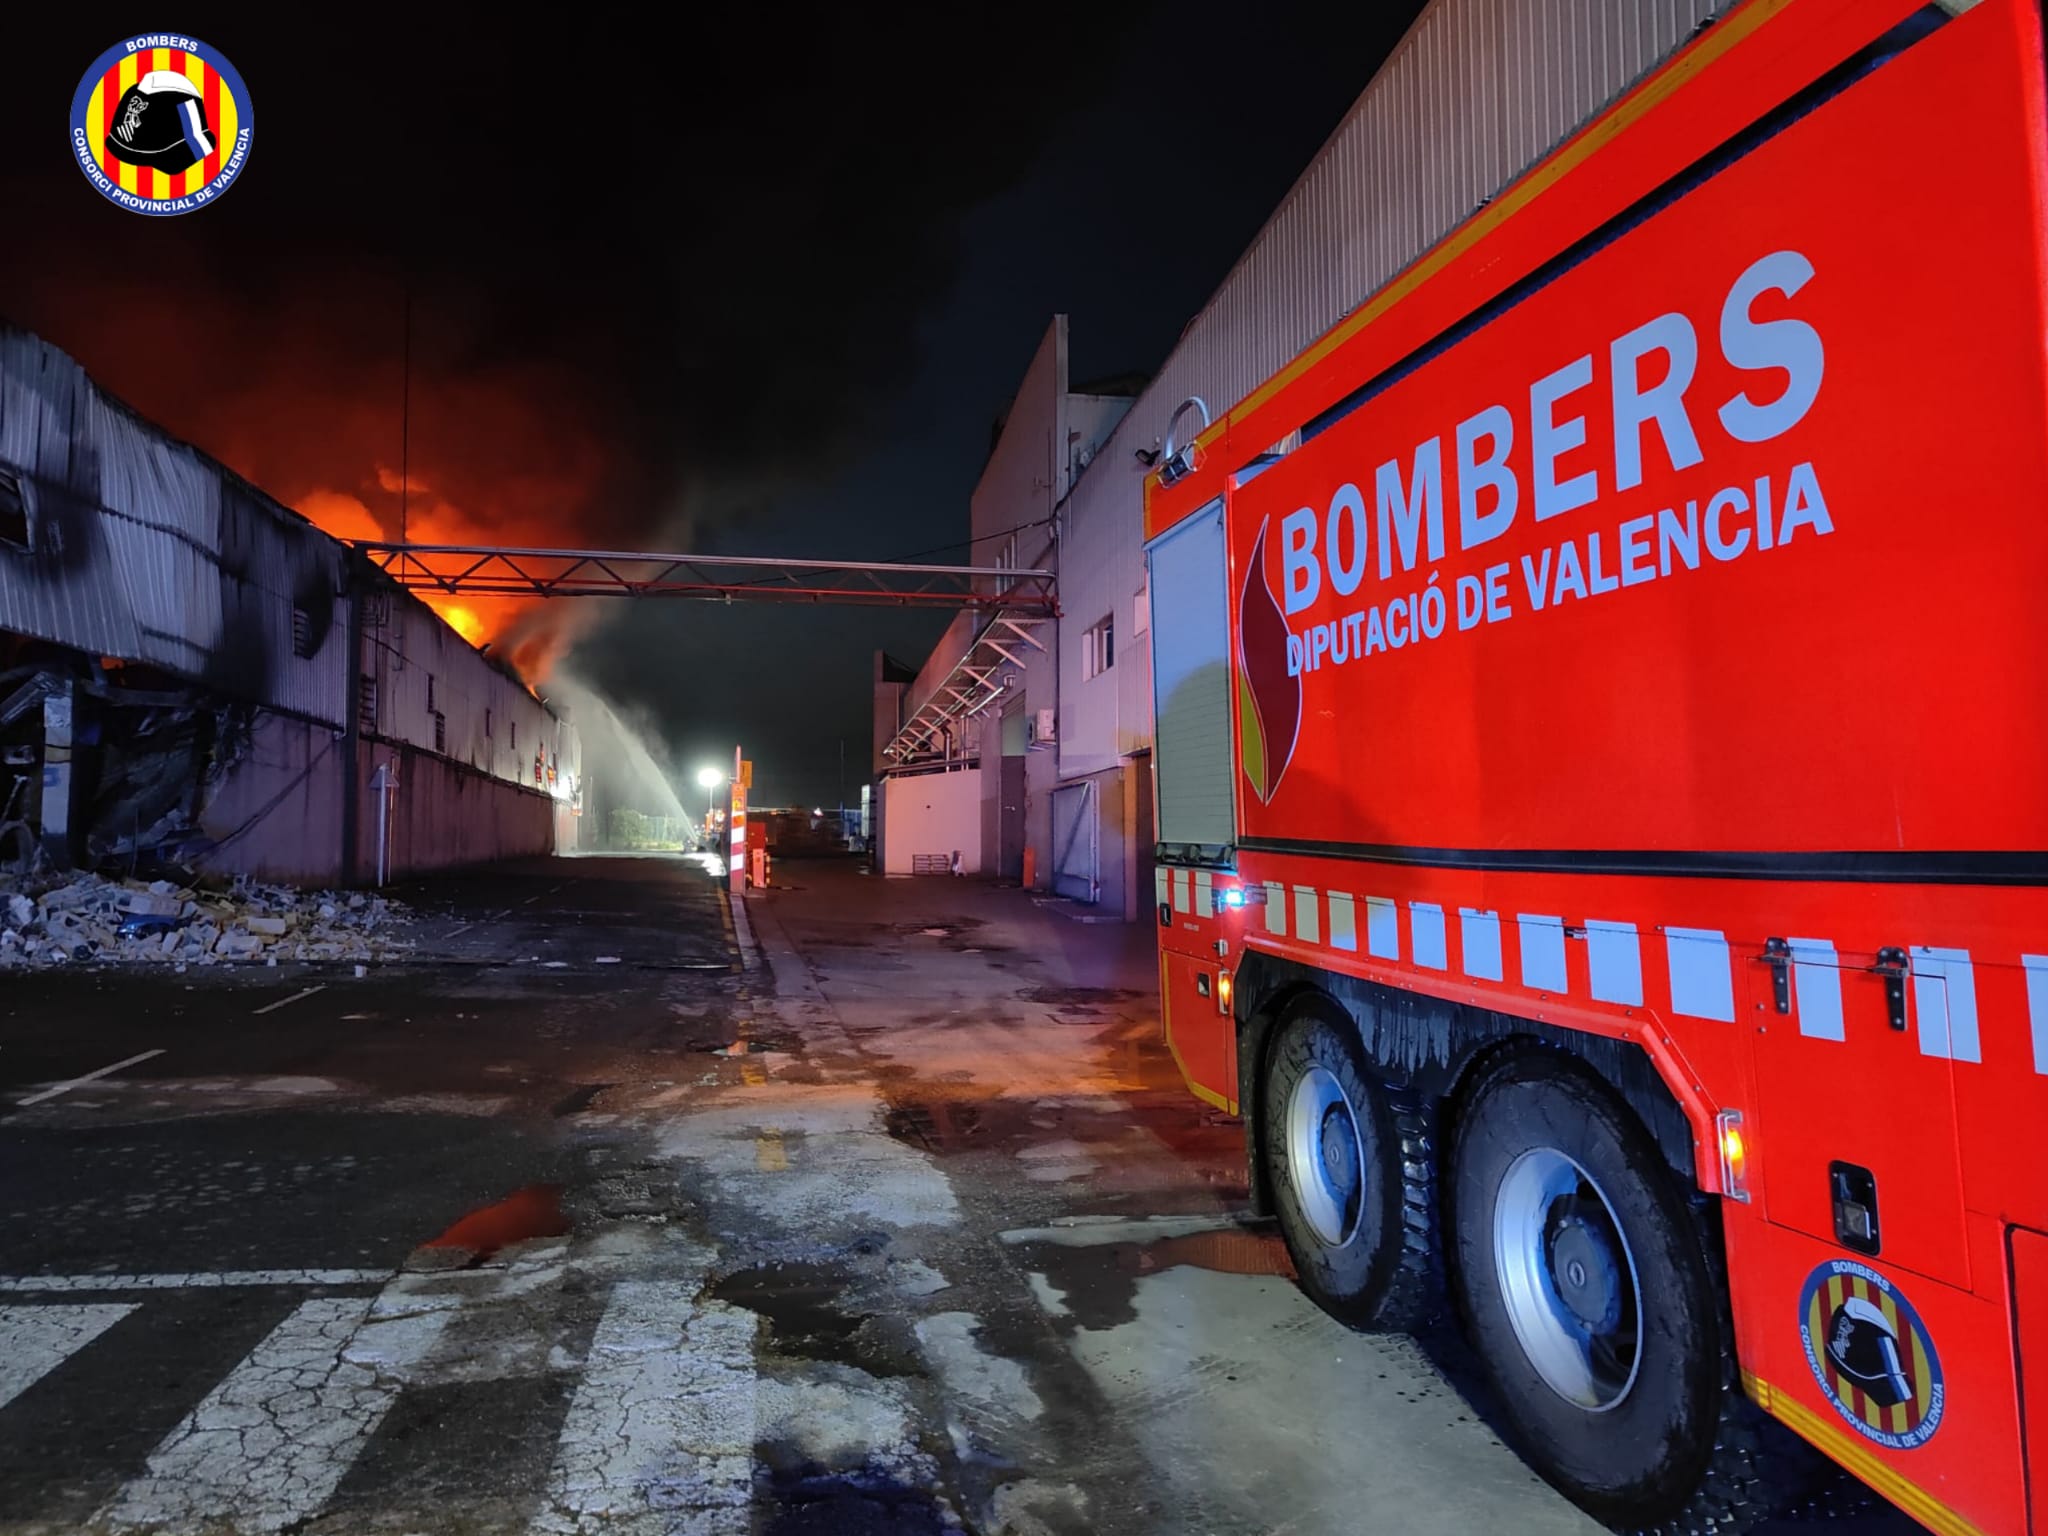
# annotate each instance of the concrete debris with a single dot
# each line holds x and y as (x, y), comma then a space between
(51, 920)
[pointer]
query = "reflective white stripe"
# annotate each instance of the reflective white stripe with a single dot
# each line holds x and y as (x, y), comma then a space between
(2037, 1006)
(34, 1341)
(1426, 921)
(1615, 958)
(1343, 922)
(1479, 939)
(1817, 988)
(1308, 920)
(1382, 928)
(195, 130)
(1542, 951)
(1945, 997)
(1162, 885)
(271, 1443)
(1205, 894)
(1180, 890)
(659, 1437)
(1702, 985)
(1276, 908)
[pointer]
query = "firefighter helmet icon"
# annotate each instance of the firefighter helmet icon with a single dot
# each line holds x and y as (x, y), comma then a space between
(161, 124)
(160, 121)
(1865, 1345)
(1871, 1354)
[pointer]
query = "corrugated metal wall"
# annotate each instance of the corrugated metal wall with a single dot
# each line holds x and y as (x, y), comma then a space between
(489, 721)
(1476, 94)
(144, 549)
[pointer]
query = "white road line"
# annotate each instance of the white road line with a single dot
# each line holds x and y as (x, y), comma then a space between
(203, 1280)
(270, 1444)
(452, 932)
(296, 997)
(34, 1341)
(90, 1077)
(660, 1435)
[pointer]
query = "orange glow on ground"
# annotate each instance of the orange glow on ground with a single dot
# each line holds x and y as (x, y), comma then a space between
(535, 1211)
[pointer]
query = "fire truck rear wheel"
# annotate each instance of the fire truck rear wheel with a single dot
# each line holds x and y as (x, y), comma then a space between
(1582, 1278)
(1333, 1148)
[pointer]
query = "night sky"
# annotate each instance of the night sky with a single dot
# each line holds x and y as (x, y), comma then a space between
(751, 284)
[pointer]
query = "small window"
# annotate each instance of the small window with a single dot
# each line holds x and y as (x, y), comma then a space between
(366, 705)
(431, 706)
(302, 633)
(1141, 615)
(14, 529)
(440, 732)
(487, 725)
(1098, 648)
(515, 735)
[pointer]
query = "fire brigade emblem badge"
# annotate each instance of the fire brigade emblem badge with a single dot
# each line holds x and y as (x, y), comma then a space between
(161, 124)
(1268, 689)
(1871, 1354)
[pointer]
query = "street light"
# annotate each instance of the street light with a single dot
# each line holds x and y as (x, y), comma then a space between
(708, 779)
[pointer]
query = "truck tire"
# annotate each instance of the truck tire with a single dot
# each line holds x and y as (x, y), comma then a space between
(1594, 1307)
(1350, 1174)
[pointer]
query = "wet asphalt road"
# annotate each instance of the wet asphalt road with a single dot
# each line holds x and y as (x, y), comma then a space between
(888, 1215)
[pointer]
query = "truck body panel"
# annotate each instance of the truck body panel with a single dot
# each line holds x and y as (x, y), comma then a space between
(1634, 630)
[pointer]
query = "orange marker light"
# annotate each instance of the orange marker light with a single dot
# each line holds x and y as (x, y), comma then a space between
(1223, 990)
(1734, 1155)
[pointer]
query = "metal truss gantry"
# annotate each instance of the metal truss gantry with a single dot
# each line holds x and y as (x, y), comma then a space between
(467, 570)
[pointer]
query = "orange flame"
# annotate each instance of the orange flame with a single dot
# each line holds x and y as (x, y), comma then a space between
(530, 633)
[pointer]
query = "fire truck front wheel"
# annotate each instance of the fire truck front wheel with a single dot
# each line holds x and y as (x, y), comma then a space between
(1332, 1147)
(1589, 1299)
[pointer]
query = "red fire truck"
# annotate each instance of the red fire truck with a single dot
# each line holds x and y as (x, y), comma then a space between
(1602, 753)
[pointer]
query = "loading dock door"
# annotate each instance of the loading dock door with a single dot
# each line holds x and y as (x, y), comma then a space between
(1075, 833)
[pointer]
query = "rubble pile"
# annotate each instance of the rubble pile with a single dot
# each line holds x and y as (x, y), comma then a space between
(76, 919)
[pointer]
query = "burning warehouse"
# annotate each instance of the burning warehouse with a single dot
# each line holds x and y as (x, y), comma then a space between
(192, 673)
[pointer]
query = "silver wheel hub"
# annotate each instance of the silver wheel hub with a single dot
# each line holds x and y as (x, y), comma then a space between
(1568, 1279)
(1325, 1156)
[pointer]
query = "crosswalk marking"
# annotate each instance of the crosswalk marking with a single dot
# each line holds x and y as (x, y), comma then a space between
(271, 1443)
(660, 1434)
(34, 1341)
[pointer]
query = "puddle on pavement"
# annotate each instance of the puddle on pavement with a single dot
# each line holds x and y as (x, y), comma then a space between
(936, 1127)
(765, 1047)
(810, 1500)
(961, 935)
(1158, 1143)
(535, 1211)
(577, 1099)
(1081, 997)
(1099, 1285)
(799, 1304)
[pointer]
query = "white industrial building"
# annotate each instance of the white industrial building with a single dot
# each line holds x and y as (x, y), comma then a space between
(1021, 743)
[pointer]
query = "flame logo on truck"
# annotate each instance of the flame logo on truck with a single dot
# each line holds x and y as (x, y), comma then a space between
(1268, 691)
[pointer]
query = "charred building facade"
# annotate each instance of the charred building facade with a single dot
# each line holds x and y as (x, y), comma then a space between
(192, 673)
